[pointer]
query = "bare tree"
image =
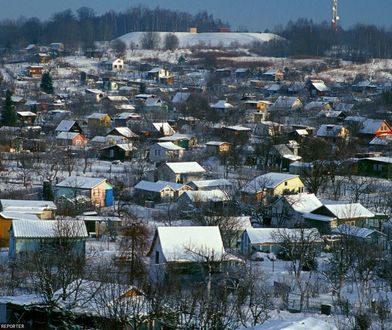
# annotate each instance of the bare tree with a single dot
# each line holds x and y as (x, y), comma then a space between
(150, 40)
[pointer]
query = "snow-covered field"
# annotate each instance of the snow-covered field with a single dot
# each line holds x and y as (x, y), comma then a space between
(209, 39)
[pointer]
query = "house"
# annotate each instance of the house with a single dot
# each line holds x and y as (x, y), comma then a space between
(180, 172)
(218, 147)
(281, 156)
(94, 95)
(124, 132)
(332, 133)
(114, 65)
(270, 185)
(42, 209)
(71, 139)
(153, 104)
(98, 119)
(374, 127)
(97, 225)
(380, 167)
(332, 214)
(97, 190)
(28, 236)
(165, 151)
(160, 191)
(187, 250)
(236, 134)
(35, 71)
(268, 129)
(242, 73)
(214, 200)
(287, 103)
(273, 74)
(26, 118)
(288, 210)
(364, 235)
(271, 239)
(317, 88)
(182, 140)
(221, 105)
(125, 118)
(68, 126)
(157, 73)
(119, 151)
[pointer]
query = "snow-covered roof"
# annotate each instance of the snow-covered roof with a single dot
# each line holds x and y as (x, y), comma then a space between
(238, 128)
(285, 102)
(347, 210)
(215, 143)
(381, 159)
(186, 167)
(268, 180)
(19, 215)
(167, 129)
(346, 229)
(123, 146)
(370, 126)
(180, 97)
(26, 114)
(272, 235)
(381, 140)
(65, 125)
(152, 186)
(328, 130)
(124, 131)
(222, 104)
(169, 146)
(97, 115)
(215, 195)
(175, 137)
(49, 229)
(303, 202)
(80, 182)
(190, 243)
(320, 86)
(19, 205)
(173, 185)
(67, 135)
(128, 115)
(202, 184)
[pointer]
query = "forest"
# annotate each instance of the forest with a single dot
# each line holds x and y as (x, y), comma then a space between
(83, 27)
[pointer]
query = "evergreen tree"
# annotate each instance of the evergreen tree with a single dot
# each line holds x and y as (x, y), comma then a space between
(47, 192)
(46, 83)
(9, 115)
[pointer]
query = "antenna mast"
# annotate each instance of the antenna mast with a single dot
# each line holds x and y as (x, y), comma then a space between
(335, 17)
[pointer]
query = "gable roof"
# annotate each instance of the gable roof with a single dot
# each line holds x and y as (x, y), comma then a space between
(327, 130)
(203, 196)
(80, 182)
(152, 186)
(168, 146)
(303, 202)
(165, 127)
(348, 230)
(49, 229)
(67, 135)
(190, 243)
(370, 126)
(123, 131)
(342, 210)
(272, 235)
(65, 125)
(185, 167)
(200, 184)
(18, 205)
(181, 97)
(221, 104)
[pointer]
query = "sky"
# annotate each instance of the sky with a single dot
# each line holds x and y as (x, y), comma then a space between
(256, 15)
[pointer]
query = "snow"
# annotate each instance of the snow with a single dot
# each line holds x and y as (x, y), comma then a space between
(169, 146)
(297, 322)
(269, 180)
(27, 206)
(215, 195)
(48, 228)
(80, 182)
(186, 167)
(303, 202)
(151, 186)
(210, 39)
(190, 243)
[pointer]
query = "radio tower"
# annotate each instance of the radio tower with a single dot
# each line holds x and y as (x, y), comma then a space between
(335, 17)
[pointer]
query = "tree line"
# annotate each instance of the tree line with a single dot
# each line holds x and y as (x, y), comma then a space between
(304, 37)
(83, 27)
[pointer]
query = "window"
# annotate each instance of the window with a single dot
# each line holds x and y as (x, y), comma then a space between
(157, 152)
(157, 257)
(285, 183)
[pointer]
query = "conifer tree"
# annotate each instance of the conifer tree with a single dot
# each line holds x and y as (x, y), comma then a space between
(9, 117)
(46, 83)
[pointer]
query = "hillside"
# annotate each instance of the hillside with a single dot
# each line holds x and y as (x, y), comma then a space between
(210, 39)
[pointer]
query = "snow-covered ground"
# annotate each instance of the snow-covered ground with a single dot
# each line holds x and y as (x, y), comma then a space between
(209, 39)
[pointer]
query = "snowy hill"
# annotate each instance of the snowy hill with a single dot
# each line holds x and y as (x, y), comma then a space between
(208, 39)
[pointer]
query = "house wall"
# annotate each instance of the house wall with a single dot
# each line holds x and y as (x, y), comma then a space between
(157, 270)
(294, 184)
(98, 194)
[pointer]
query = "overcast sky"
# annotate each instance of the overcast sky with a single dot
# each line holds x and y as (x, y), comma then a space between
(257, 15)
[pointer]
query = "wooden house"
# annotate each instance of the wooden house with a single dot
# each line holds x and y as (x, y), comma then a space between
(332, 214)
(186, 250)
(114, 65)
(270, 185)
(332, 133)
(97, 190)
(180, 172)
(218, 147)
(287, 103)
(273, 74)
(94, 95)
(71, 139)
(160, 191)
(379, 167)
(120, 151)
(68, 126)
(98, 119)
(214, 201)
(35, 71)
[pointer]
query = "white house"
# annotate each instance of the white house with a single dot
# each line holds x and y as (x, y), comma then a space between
(114, 65)
(180, 172)
(165, 151)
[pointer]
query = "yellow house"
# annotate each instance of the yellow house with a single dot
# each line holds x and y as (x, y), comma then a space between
(218, 147)
(99, 119)
(270, 185)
